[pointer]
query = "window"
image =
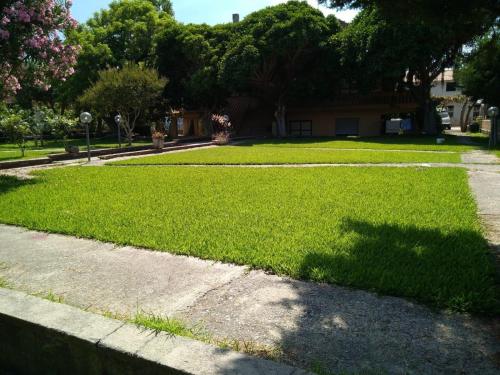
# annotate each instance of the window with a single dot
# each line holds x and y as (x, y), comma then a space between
(300, 128)
(347, 126)
(451, 86)
(451, 110)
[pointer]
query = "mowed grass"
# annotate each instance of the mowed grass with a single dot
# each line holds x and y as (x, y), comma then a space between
(10, 151)
(394, 142)
(233, 155)
(406, 232)
(15, 154)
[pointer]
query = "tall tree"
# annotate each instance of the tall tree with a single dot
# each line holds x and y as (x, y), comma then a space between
(124, 32)
(189, 55)
(418, 38)
(479, 73)
(164, 6)
(410, 52)
(132, 91)
(31, 49)
(271, 51)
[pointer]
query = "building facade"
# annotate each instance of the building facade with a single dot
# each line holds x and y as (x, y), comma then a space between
(446, 89)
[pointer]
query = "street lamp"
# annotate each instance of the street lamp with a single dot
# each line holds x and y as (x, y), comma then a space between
(86, 119)
(118, 120)
(493, 114)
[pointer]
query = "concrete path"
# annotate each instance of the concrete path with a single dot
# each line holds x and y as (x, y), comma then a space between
(485, 184)
(339, 328)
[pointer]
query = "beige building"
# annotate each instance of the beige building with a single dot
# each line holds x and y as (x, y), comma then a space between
(353, 114)
(446, 88)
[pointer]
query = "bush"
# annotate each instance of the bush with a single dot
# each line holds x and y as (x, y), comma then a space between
(133, 92)
(15, 126)
(474, 127)
(221, 138)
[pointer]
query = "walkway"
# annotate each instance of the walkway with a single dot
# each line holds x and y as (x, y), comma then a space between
(343, 329)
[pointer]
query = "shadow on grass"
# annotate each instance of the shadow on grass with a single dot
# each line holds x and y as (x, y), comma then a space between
(408, 140)
(338, 330)
(448, 270)
(8, 183)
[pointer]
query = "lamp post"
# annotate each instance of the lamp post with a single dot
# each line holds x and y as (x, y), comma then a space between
(86, 119)
(118, 120)
(493, 114)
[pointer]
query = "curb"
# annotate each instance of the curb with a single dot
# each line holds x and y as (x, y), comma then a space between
(39, 336)
(157, 151)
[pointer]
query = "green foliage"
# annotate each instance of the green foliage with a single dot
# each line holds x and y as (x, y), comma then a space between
(233, 155)
(410, 232)
(133, 92)
(272, 49)
(14, 124)
(188, 55)
(480, 73)
(404, 51)
(111, 38)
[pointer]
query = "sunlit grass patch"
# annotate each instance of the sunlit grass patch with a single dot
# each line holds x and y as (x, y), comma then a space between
(410, 232)
(282, 155)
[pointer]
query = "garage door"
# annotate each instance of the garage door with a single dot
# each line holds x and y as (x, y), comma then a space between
(347, 126)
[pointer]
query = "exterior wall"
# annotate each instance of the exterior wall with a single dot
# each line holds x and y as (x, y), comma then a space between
(486, 126)
(324, 122)
(439, 90)
(193, 124)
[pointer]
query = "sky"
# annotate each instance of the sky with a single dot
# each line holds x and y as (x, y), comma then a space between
(202, 11)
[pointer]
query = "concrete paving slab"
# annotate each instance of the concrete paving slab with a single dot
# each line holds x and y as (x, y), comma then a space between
(345, 329)
(92, 274)
(485, 186)
(340, 328)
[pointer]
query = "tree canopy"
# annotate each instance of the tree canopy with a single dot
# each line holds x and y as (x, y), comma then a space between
(479, 73)
(132, 91)
(189, 56)
(282, 54)
(112, 37)
(270, 51)
(31, 49)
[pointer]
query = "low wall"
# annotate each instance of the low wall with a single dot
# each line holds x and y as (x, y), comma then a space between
(43, 337)
(486, 126)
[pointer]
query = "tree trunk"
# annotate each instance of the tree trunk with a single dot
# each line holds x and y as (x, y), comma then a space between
(463, 128)
(128, 129)
(173, 132)
(280, 116)
(468, 116)
(429, 121)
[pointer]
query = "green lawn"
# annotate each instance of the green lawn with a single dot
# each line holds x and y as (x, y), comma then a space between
(282, 155)
(408, 232)
(419, 143)
(10, 151)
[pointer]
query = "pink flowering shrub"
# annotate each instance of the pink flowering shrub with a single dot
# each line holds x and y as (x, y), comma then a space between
(31, 48)
(222, 128)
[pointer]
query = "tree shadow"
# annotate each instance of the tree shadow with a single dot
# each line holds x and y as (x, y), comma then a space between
(453, 269)
(406, 140)
(350, 331)
(9, 183)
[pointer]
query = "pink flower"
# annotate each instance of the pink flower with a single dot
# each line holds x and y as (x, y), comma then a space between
(4, 34)
(5, 20)
(23, 16)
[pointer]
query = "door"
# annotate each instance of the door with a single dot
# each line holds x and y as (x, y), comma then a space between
(300, 128)
(347, 126)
